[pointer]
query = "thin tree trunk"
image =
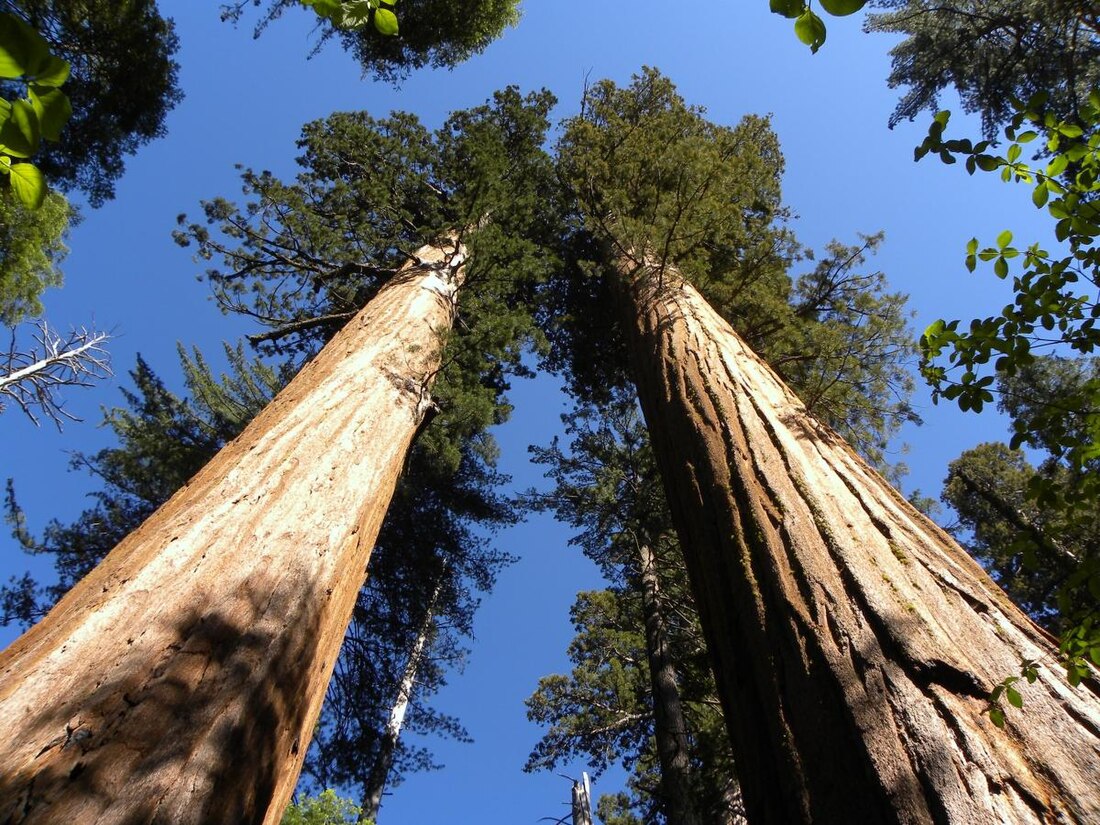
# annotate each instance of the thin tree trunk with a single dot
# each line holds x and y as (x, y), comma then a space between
(582, 802)
(670, 730)
(854, 642)
(383, 762)
(179, 682)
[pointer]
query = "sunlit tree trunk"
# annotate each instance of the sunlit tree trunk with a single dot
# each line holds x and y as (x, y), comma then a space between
(854, 642)
(669, 727)
(180, 681)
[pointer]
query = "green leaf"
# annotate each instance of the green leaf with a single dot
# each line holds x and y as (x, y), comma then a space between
(20, 133)
(29, 184)
(53, 109)
(21, 47)
(987, 163)
(997, 717)
(356, 14)
(1057, 166)
(1004, 239)
(52, 72)
(933, 330)
(810, 30)
(1014, 697)
(788, 8)
(840, 8)
(1040, 195)
(385, 21)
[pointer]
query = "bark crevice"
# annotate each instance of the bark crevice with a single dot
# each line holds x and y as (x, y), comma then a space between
(862, 638)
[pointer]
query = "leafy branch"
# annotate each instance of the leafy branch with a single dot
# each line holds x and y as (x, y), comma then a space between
(356, 14)
(808, 26)
(1056, 308)
(24, 122)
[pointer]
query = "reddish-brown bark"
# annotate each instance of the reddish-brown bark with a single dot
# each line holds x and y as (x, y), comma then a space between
(854, 642)
(180, 681)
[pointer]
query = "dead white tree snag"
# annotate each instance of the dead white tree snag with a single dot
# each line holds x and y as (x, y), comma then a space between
(854, 643)
(180, 681)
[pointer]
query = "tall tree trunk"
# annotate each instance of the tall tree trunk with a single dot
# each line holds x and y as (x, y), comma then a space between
(670, 730)
(854, 642)
(383, 761)
(180, 681)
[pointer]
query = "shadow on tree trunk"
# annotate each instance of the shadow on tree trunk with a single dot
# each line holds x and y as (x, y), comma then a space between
(178, 720)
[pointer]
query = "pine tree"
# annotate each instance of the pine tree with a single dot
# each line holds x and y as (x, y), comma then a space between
(992, 52)
(641, 691)
(1038, 552)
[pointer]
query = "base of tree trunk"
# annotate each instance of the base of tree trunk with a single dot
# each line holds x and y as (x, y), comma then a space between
(854, 642)
(180, 681)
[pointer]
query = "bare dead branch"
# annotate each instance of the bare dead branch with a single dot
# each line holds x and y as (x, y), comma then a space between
(32, 378)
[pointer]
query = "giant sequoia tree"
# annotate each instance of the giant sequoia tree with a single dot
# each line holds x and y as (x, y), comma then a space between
(426, 567)
(181, 679)
(855, 644)
(839, 336)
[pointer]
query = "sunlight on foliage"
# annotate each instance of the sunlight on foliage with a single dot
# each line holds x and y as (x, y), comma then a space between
(357, 13)
(24, 122)
(808, 26)
(1052, 320)
(324, 809)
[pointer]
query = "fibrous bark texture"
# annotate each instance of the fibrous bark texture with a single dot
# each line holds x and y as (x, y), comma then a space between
(180, 681)
(854, 642)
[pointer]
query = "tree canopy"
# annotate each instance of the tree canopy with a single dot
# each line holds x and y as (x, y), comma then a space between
(714, 206)
(434, 33)
(32, 246)
(992, 53)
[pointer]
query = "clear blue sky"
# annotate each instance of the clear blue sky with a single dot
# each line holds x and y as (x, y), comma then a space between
(245, 102)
